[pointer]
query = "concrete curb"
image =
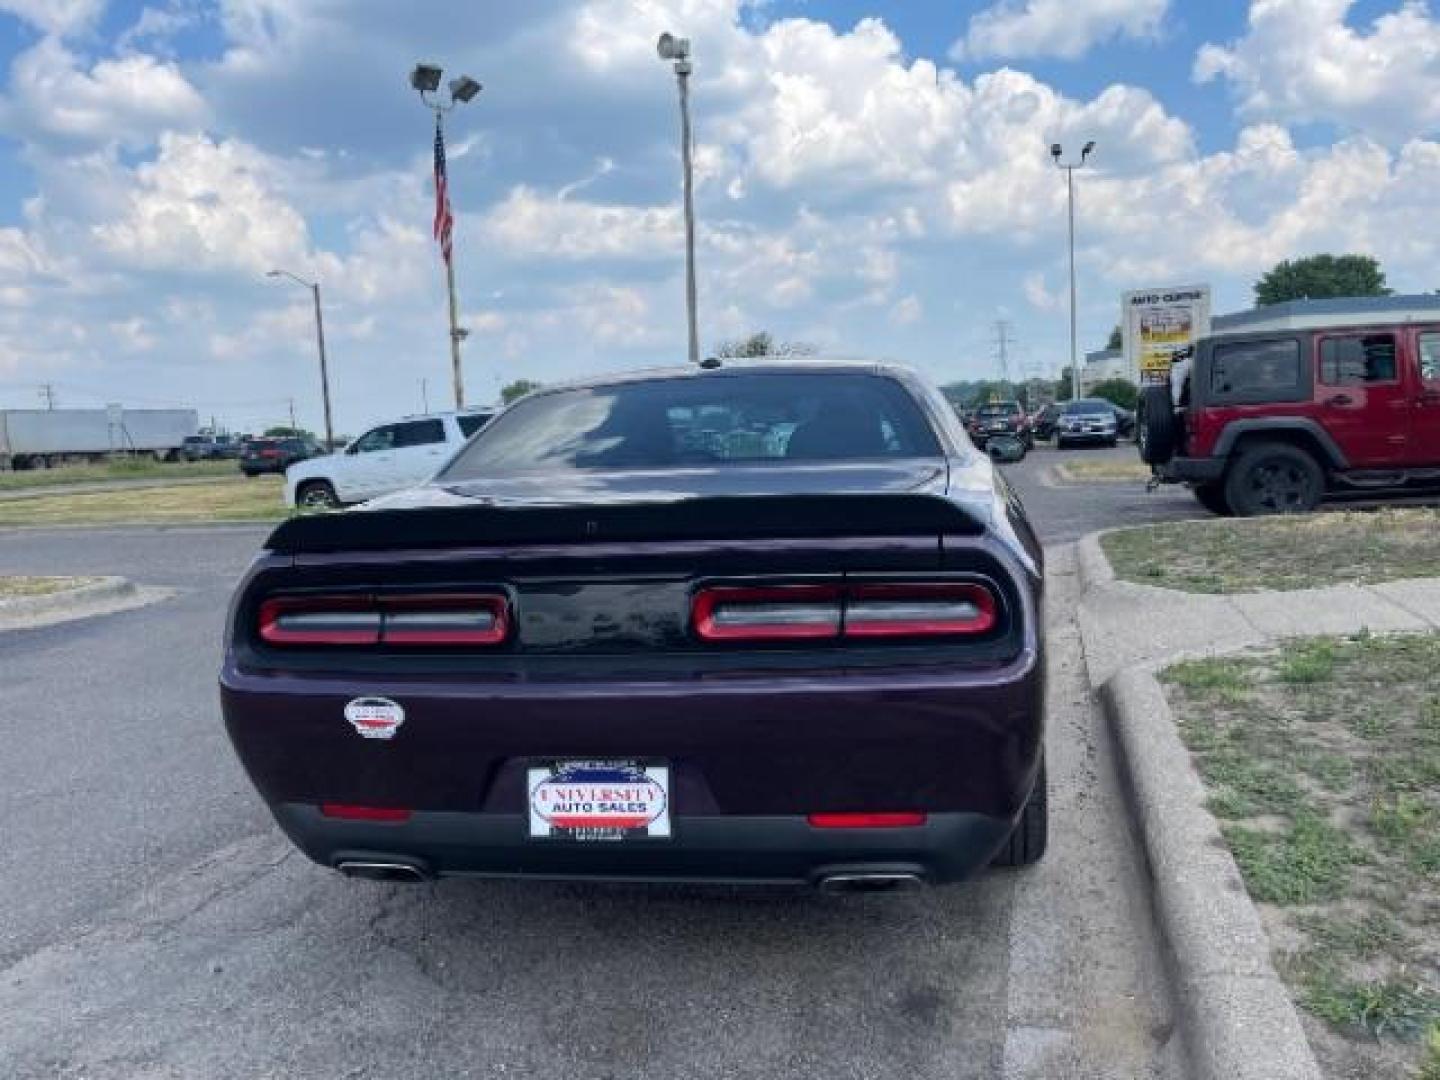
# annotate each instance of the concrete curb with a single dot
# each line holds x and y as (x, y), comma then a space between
(1238, 1020)
(1095, 568)
(102, 597)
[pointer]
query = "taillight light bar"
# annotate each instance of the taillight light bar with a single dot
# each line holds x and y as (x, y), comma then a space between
(442, 619)
(825, 612)
(902, 610)
(779, 613)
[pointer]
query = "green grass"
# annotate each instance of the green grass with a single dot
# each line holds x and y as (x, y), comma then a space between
(1304, 662)
(1243, 787)
(1283, 553)
(260, 499)
(12, 588)
(1307, 862)
(1394, 1006)
(1321, 758)
(119, 469)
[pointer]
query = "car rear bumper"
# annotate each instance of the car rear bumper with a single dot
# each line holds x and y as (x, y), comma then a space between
(786, 850)
(1087, 436)
(1191, 470)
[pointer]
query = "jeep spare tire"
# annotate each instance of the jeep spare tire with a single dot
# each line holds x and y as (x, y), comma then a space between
(1157, 429)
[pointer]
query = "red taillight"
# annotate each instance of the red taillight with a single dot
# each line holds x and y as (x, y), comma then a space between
(445, 619)
(351, 812)
(891, 820)
(899, 610)
(819, 612)
(776, 613)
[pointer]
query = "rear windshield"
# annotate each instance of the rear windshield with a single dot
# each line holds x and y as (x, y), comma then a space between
(703, 420)
(1001, 408)
(1088, 405)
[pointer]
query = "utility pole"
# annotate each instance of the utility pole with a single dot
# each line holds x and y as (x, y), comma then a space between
(292, 416)
(1055, 152)
(314, 287)
(424, 395)
(47, 391)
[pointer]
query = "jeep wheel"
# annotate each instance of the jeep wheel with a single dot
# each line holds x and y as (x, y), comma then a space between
(1032, 832)
(1156, 427)
(316, 495)
(1274, 478)
(1212, 498)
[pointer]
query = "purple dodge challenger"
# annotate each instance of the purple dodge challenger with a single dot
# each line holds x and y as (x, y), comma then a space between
(751, 623)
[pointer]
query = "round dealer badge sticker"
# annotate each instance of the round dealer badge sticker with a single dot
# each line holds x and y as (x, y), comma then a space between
(375, 717)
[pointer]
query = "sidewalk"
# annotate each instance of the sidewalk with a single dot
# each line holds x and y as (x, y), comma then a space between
(1125, 624)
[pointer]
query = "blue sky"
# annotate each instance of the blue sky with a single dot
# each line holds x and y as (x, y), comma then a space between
(873, 178)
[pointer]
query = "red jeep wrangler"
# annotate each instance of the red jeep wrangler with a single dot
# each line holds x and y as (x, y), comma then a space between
(1274, 421)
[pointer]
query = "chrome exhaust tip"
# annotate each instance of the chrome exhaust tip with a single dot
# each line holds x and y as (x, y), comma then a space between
(866, 882)
(382, 871)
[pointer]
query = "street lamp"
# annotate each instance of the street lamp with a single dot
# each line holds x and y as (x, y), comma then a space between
(1057, 152)
(678, 49)
(426, 81)
(314, 287)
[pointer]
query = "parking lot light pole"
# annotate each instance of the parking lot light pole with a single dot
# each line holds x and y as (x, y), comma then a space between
(1056, 151)
(678, 49)
(314, 287)
(425, 79)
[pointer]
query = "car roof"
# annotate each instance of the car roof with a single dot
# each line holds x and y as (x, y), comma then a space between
(731, 367)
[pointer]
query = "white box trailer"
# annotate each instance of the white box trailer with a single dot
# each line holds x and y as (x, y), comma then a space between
(36, 438)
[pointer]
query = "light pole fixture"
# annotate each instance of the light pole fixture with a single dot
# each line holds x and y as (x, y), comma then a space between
(314, 287)
(677, 49)
(425, 79)
(1058, 152)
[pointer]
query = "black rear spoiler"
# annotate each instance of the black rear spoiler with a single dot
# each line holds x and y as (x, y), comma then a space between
(709, 518)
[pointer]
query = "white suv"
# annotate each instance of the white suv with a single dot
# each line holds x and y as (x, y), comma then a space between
(385, 459)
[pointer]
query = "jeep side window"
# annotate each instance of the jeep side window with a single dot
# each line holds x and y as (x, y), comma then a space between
(1430, 357)
(1352, 361)
(1255, 367)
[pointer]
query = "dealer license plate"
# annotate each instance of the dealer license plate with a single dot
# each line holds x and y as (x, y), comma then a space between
(599, 800)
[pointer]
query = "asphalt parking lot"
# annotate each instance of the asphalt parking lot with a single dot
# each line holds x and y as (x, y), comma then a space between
(154, 923)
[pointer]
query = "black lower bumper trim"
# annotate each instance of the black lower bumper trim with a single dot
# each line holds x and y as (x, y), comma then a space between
(775, 850)
(1191, 470)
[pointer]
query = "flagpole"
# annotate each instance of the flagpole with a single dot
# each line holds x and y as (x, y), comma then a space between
(456, 334)
(425, 79)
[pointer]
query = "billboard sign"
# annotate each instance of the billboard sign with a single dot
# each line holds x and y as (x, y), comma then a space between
(1157, 322)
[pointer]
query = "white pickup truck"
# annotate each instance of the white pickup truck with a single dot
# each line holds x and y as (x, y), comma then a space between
(388, 458)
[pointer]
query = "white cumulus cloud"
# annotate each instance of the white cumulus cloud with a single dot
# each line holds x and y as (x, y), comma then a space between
(1301, 61)
(1063, 28)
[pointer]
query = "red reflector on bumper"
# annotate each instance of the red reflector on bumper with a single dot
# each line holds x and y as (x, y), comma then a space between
(350, 812)
(895, 820)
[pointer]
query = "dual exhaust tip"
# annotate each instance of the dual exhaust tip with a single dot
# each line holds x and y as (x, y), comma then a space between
(410, 873)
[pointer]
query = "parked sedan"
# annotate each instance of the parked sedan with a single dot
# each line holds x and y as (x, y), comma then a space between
(765, 623)
(1086, 420)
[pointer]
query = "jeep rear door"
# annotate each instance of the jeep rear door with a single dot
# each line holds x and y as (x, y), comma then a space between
(1362, 397)
(1425, 413)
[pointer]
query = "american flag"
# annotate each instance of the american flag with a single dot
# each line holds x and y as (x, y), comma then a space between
(444, 220)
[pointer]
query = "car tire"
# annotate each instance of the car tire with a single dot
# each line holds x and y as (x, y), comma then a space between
(1112, 443)
(1212, 498)
(316, 495)
(1060, 444)
(1157, 430)
(1026, 844)
(1274, 478)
